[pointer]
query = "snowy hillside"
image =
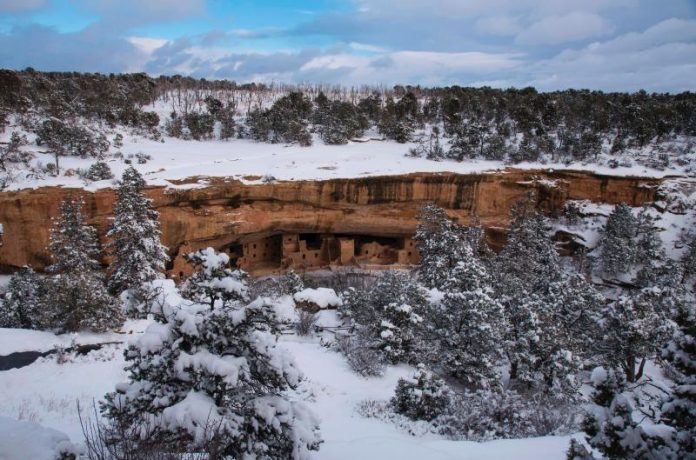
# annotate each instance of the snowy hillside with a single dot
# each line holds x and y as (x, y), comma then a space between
(46, 393)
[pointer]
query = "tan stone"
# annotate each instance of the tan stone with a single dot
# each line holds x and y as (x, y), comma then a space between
(341, 216)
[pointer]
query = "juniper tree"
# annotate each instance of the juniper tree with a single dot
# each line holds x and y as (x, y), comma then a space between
(421, 397)
(389, 318)
(75, 296)
(618, 253)
(679, 411)
(21, 306)
(469, 324)
(214, 379)
(610, 427)
(634, 327)
(134, 238)
(440, 243)
(213, 282)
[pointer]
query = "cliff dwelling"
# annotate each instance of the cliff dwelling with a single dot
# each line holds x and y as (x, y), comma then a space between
(310, 251)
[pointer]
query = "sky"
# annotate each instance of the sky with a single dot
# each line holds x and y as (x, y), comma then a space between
(609, 45)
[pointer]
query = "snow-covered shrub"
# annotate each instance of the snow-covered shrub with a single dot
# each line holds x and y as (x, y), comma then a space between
(213, 282)
(486, 415)
(198, 368)
(610, 427)
(98, 171)
(305, 322)
(424, 396)
(362, 355)
(398, 333)
(289, 284)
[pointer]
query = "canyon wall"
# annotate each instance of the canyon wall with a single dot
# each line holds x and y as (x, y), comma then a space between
(230, 215)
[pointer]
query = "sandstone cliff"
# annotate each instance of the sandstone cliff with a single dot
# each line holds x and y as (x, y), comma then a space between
(228, 213)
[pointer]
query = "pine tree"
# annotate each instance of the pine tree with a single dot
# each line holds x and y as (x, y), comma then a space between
(134, 236)
(618, 252)
(679, 411)
(215, 378)
(650, 255)
(75, 296)
(21, 306)
(469, 322)
(635, 327)
(213, 283)
(529, 255)
(440, 244)
(73, 244)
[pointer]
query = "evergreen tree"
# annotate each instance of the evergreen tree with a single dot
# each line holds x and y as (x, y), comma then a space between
(73, 244)
(75, 296)
(134, 236)
(422, 397)
(213, 283)
(679, 411)
(397, 335)
(618, 252)
(440, 244)
(214, 378)
(610, 427)
(635, 327)
(21, 306)
(650, 255)
(290, 283)
(469, 322)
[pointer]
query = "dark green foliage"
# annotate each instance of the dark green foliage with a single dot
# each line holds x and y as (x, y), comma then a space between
(286, 121)
(422, 397)
(21, 305)
(64, 139)
(99, 171)
(339, 122)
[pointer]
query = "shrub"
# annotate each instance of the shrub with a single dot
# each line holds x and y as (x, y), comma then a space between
(422, 397)
(362, 356)
(99, 171)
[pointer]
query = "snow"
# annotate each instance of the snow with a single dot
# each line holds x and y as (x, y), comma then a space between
(194, 162)
(45, 392)
(322, 297)
(16, 340)
(20, 440)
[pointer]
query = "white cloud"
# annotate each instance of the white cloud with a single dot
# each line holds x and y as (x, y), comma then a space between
(498, 25)
(573, 26)
(424, 67)
(661, 58)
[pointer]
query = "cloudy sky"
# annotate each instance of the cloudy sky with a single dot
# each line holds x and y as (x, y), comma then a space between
(549, 44)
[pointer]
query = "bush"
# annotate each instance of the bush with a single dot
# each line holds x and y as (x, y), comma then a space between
(362, 357)
(305, 323)
(99, 171)
(423, 397)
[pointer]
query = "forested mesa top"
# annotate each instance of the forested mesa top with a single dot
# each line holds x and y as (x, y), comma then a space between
(104, 116)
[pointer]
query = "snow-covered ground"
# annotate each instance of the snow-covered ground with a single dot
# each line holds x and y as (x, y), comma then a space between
(175, 159)
(46, 393)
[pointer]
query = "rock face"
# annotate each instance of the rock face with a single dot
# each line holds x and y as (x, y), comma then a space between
(307, 224)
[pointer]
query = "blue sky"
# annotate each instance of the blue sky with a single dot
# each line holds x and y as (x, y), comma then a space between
(549, 44)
